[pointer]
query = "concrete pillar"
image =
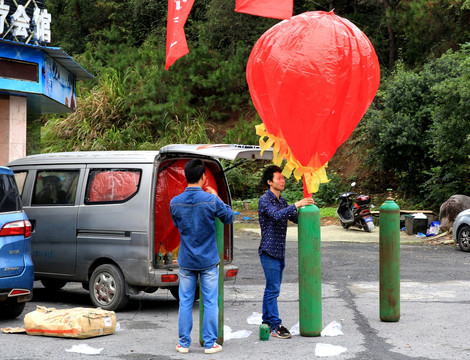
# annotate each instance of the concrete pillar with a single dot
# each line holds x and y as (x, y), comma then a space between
(13, 111)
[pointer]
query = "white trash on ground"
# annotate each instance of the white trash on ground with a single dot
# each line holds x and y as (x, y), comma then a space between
(254, 319)
(332, 329)
(295, 330)
(240, 334)
(84, 349)
(328, 350)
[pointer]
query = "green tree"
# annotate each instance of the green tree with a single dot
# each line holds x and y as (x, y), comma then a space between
(419, 128)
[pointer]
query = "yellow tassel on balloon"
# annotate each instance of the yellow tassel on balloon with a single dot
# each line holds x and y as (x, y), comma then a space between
(313, 176)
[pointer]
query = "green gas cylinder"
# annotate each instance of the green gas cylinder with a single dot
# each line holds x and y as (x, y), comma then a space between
(168, 258)
(158, 259)
(309, 252)
(389, 260)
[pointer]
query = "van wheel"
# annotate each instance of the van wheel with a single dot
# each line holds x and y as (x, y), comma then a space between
(108, 288)
(53, 284)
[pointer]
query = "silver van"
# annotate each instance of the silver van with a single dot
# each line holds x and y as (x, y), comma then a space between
(103, 219)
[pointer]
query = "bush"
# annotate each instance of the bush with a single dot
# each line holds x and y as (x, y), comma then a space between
(419, 131)
(243, 132)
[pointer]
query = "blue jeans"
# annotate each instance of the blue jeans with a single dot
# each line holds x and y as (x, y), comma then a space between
(209, 283)
(273, 269)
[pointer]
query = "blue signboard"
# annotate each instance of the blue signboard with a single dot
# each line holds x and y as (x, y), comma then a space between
(53, 81)
(57, 82)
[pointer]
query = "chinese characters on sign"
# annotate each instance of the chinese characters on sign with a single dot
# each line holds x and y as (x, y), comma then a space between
(16, 23)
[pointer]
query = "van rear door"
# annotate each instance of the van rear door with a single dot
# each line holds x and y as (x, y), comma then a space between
(221, 151)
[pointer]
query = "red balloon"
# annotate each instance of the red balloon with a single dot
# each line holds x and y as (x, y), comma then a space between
(311, 79)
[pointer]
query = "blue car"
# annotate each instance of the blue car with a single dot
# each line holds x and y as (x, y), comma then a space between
(16, 266)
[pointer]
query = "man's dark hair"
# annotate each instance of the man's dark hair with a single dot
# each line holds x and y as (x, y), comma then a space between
(268, 173)
(193, 170)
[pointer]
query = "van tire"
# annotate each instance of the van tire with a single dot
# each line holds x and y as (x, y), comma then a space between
(53, 284)
(108, 288)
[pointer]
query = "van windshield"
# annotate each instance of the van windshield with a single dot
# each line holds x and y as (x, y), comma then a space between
(9, 197)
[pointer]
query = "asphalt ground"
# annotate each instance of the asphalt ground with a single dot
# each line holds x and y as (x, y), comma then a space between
(435, 302)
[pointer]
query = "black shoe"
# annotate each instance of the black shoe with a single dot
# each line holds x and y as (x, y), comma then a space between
(281, 332)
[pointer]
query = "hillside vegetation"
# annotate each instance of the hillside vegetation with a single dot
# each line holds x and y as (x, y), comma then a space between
(414, 138)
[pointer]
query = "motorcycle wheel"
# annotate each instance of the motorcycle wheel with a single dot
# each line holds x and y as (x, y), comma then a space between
(364, 226)
(345, 226)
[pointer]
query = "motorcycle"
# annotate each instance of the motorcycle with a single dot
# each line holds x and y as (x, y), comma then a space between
(355, 213)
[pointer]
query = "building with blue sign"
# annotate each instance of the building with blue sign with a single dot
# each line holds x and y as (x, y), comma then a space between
(34, 79)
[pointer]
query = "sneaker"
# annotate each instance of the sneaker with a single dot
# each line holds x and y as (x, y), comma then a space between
(215, 348)
(181, 349)
(281, 332)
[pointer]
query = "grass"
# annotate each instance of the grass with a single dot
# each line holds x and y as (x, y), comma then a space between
(326, 212)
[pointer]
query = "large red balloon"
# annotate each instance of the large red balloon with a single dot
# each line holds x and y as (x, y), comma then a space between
(311, 79)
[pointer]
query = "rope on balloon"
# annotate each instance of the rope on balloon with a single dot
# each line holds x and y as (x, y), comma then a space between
(313, 176)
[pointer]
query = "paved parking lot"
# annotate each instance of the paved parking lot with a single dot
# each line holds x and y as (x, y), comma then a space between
(434, 303)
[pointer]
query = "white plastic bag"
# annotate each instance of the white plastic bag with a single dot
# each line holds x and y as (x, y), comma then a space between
(332, 329)
(420, 216)
(254, 319)
(240, 334)
(328, 350)
(84, 349)
(295, 330)
(434, 229)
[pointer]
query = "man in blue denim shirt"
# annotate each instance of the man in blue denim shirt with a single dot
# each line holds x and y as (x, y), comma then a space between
(194, 212)
(274, 212)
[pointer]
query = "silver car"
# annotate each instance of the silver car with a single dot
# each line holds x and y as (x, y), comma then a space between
(461, 230)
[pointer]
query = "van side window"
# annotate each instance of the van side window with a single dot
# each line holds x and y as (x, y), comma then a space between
(55, 187)
(112, 185)
(20, 177)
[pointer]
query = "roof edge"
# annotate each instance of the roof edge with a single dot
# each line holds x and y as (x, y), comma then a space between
(60, 56)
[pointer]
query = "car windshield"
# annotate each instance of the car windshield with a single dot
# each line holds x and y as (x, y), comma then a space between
(9, 197)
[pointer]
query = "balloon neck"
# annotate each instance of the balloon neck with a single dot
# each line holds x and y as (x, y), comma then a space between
(306, 193)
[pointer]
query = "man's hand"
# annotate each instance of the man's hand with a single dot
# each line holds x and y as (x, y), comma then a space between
(304, 202)
(210, 190)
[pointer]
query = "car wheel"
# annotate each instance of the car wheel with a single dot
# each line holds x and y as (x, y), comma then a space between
(11, 309)
(463, 238)
(53, 284)
(108, 288)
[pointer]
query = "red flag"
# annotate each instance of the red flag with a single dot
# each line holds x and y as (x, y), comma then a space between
(277, 9)
(176, 46)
